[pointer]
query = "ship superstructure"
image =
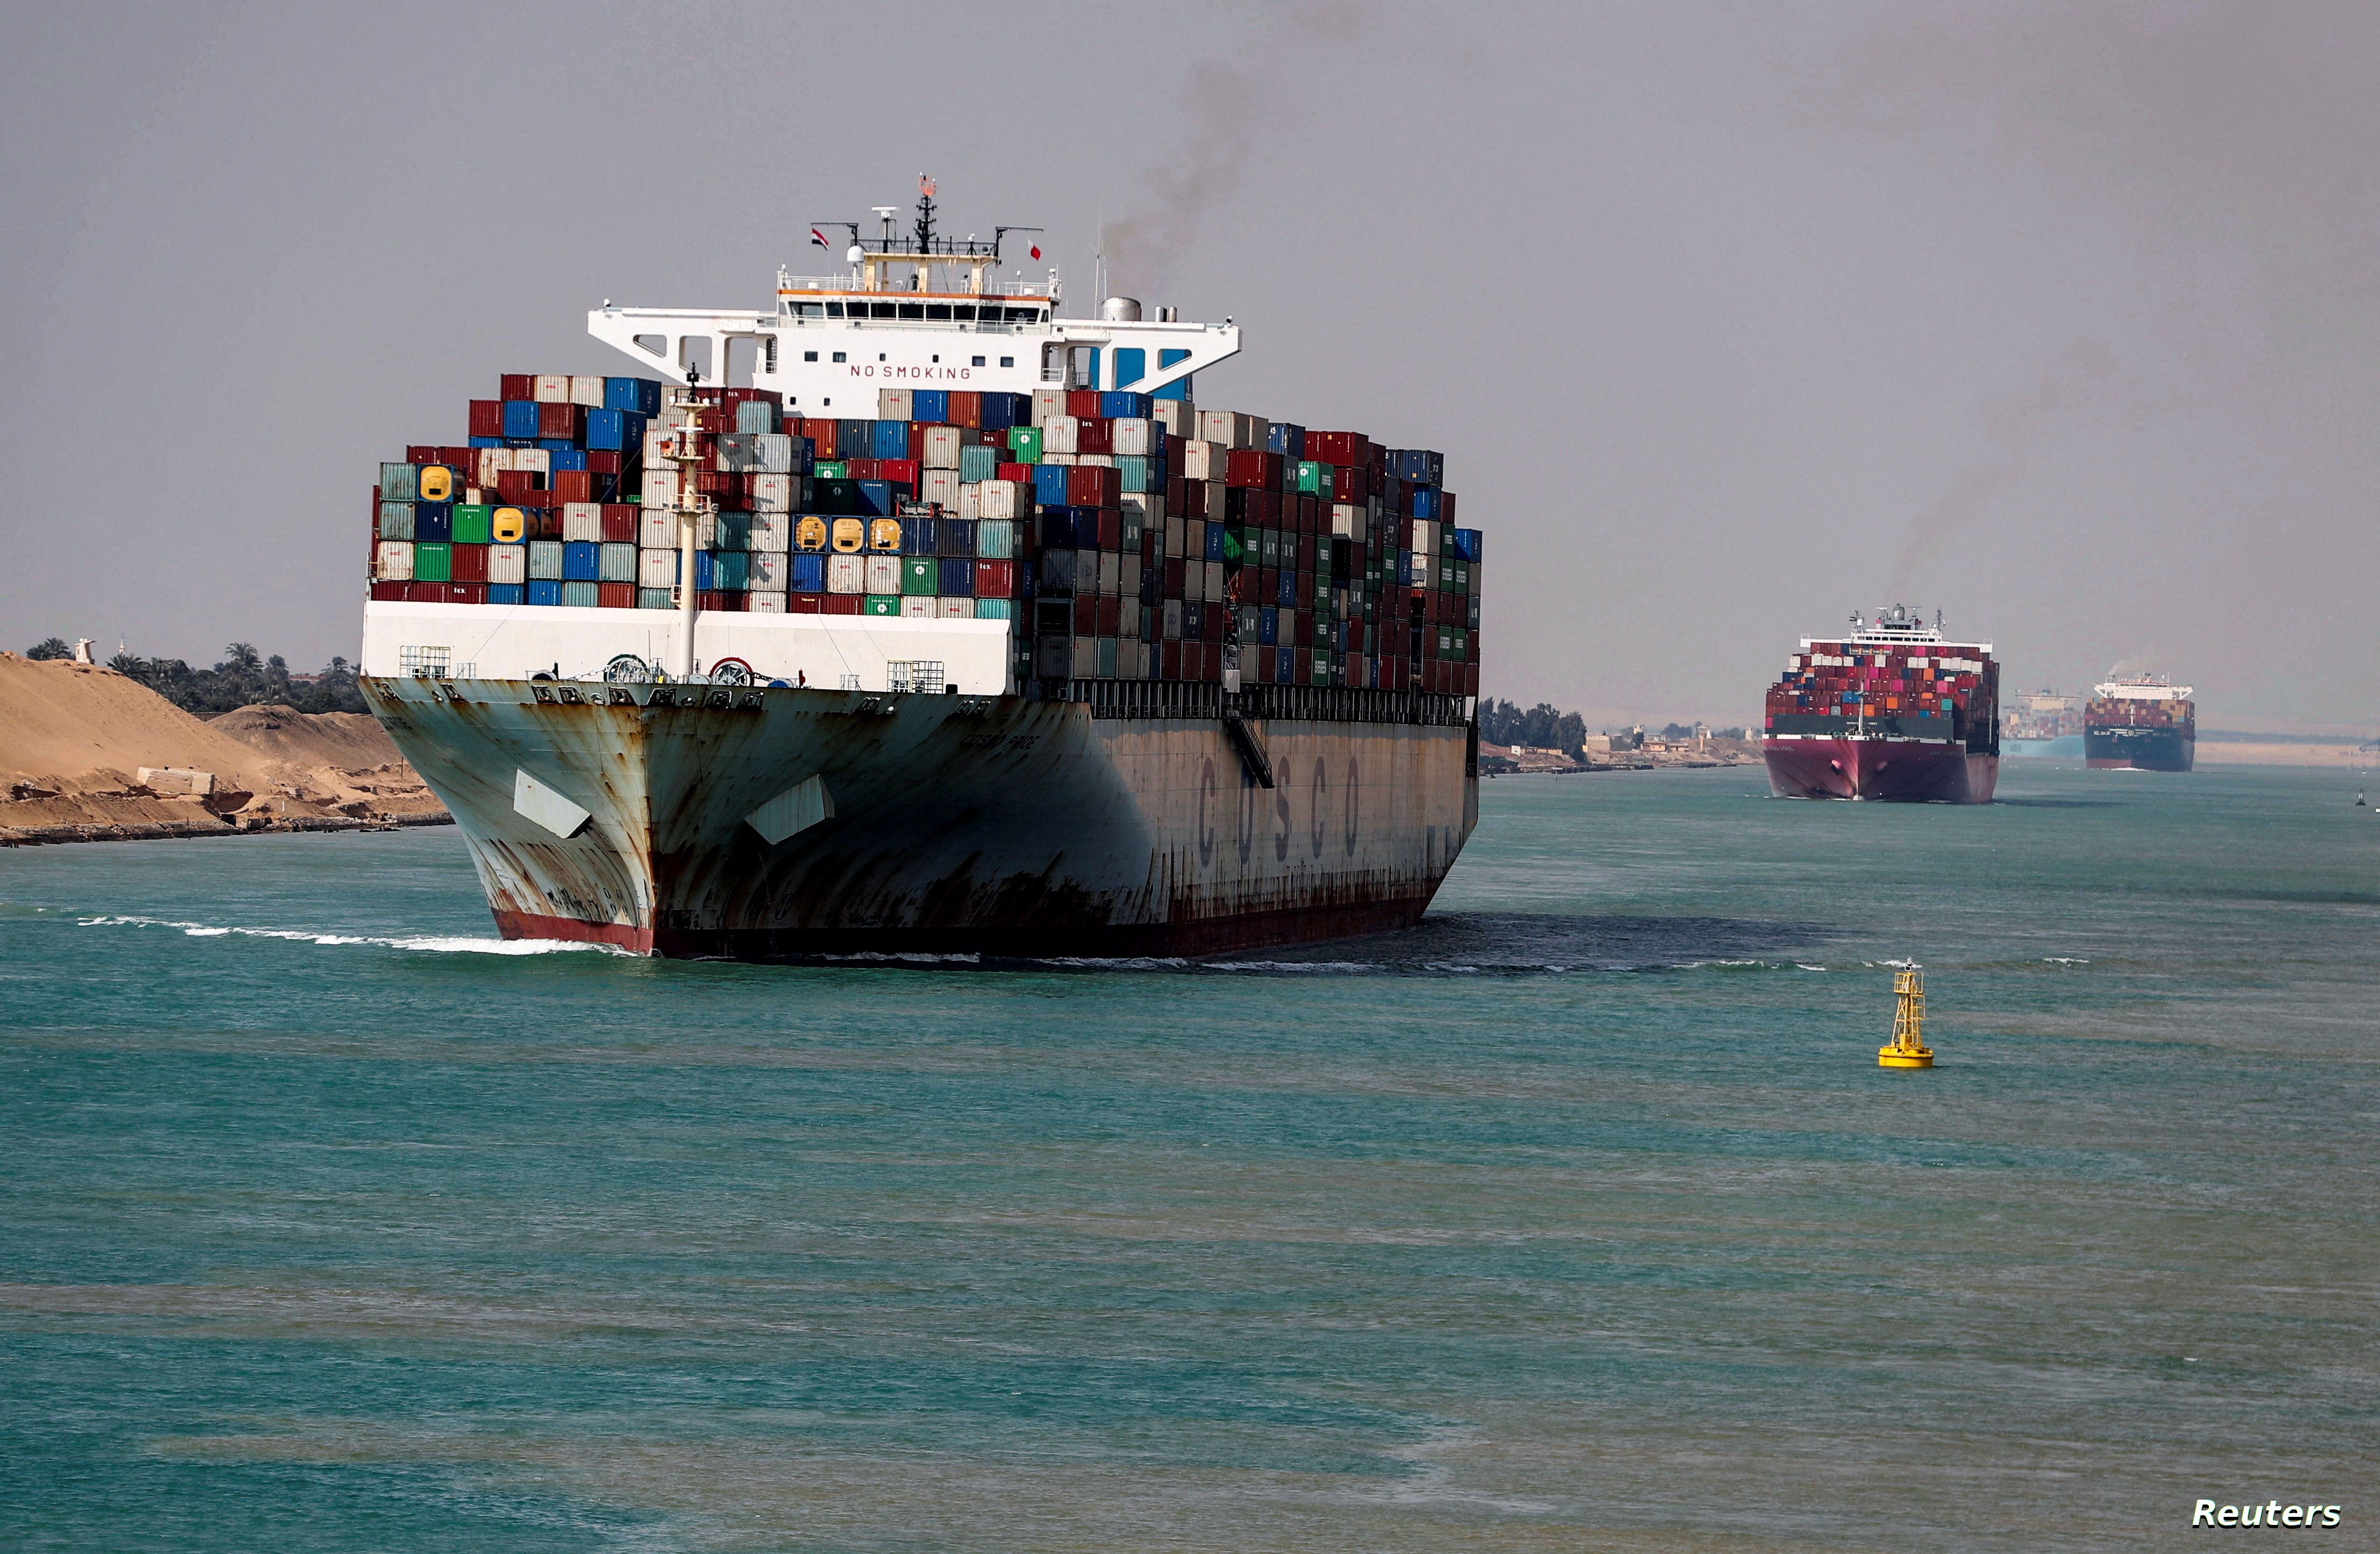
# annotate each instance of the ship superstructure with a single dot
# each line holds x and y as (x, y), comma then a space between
(943, 625)
(1892, 710)
(2141, 722)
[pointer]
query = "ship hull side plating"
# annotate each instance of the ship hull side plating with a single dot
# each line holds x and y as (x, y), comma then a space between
(961, 824)
(2137, 748)
(1897, 771)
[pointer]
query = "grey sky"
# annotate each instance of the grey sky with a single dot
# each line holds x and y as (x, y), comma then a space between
(1730, 319)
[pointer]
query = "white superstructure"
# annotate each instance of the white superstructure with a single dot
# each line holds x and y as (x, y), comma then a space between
(914, 310)
(2141, 688)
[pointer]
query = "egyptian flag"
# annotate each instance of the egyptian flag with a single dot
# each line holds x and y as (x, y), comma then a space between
(819, 237)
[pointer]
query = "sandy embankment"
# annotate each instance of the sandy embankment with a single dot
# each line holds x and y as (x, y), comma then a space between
(2242, 752)
(74, 737)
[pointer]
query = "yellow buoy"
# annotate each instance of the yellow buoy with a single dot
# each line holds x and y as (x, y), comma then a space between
(1907, 1049)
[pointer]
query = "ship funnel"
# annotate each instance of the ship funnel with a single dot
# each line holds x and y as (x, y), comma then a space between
(1120, 310)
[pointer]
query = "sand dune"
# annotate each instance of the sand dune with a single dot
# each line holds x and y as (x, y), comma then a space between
(74, 737)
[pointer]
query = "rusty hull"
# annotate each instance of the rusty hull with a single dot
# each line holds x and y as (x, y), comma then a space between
(985, 825)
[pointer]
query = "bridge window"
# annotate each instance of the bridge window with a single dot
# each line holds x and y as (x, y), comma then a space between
(911, 309)
(937, 312)
(838, 356)
(963, 312)
(808, 309)
(878, 309)
(976, 361)
(834, 309)
(1008, 361)
(809, 356)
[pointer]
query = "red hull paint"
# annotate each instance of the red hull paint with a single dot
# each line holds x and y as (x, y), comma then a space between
(1197, 937)
(1897, 771)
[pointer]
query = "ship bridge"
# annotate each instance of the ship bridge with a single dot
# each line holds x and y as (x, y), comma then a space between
(916, 310)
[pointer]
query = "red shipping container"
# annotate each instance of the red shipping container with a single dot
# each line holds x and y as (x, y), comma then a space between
(1169, 661)
(470, 564)
(1256, 468)
(1082, 402)
(1091, 485)
(1173, 577)
(516, 385)
(1351, 484)
(1194, 501)
(839, 603)
(561, 420)
(1023, 472)
(917, 444)
(711, 482)
(462, 593)
(1087, 614)
(715, 598)
(821, 436)
(516, 486)
(900, 471)
(1193, 653)
(861, 470)
(1210, 621)
(487, 417)
(457, 459)
(1471, 679)
(420, 452)
(620, 523)
(1446, 509)
(805, 603)
(1307, 517)
(572, 485)
(1093, 435)
(391, 592)
(966, 407)
(603, 461)
(615, 595)
(1304, 628)
(1110, 615)
(1339, 448)
(995, 579)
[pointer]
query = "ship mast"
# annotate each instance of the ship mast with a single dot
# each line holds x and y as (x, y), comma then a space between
(685, 451)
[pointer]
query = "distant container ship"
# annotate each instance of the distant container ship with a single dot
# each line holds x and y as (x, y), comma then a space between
(1893, 710)
(2142, 724)
(2044, 723)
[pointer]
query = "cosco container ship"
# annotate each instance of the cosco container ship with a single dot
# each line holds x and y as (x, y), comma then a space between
(960, 628)
(2144, 723)
(1893, 710)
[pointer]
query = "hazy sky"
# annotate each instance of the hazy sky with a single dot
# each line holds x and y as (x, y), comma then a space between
(1728, 318)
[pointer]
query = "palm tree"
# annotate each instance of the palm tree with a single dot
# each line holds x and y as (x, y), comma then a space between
(242, 655)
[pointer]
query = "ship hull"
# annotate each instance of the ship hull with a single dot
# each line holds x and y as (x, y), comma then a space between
(937, 825)
(1892, 770)
(2119, 748)
(2064, 746)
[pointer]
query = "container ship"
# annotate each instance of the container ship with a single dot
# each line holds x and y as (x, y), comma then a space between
(1892, 710)
(958, 628)
(2141, 723)
(2044, 723)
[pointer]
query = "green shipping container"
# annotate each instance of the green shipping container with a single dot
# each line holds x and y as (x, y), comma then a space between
(920, 576)
(655, 598)
(831, 469)
(433, 564)
(471, 523)
(1026, 443)
(1314, 479)
(881, 604)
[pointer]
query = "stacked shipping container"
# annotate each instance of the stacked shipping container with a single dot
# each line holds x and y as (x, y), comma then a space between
(1927, 691)
(1125, 537)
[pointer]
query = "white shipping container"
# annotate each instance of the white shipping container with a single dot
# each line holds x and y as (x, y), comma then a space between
(1348, 519)
(1179, 417)
(586, 391)
(773, 494)
(941, 447)
(1048, 404)
(656, 529)
(938, 486)
(661, 488)
(1110, 571)
(1130, 434)
(971, 500)
(954, 609)
(1005, 499)
(1061, 434)
(1202, 460)
(1214, 594)
(536, 460)
(768, 571)
(393, 562)
(882, 575)
(582, 521)
(508, 564)
(768, 601)
(552, 388)
(918, 606)
(1128, 576)
(1171, 625)
(655, 569)
(657, 445)
(1147, 507)
(772, 532)
(1087, 657)
(893, 405)
(487, 462)
(1095, 461)
(1234, 429)
(1177, 536)
(845, 573)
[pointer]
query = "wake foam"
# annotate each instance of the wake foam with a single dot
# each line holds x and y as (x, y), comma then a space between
(444, 944)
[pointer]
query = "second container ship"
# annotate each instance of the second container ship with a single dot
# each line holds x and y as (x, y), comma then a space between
(2143, 722)
(1893, 710)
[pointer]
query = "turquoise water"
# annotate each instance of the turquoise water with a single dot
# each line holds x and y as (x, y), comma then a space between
(1580, 1219)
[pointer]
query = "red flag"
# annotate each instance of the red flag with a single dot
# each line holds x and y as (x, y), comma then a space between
(819, 237)
(1037, 250)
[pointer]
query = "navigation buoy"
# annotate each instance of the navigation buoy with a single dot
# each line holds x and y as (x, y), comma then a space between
(1907, 1049)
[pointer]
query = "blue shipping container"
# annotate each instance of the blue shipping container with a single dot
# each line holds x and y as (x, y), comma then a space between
(979, 464)
(1118, 403)
(889, 439)
(506, 593)
(955, 537)
(958, 576)
(1425, 502)
(487, 443)
(545, 590)
(1050, 484)
(433, 522)
(1269, 626)
(730, 571)
(1002, 412)
(993, 609)
(702, 572)
(641, 394)
(1467, 545)
(930, 405)
(520, 418)
(564, 456)
(582, 561)
(604, 429)
(877, 498)
(917, 536)
(581, 596)
(1287, 441)
(1419, 465)
(1214, 546)
(1057, 528)
(807, 574)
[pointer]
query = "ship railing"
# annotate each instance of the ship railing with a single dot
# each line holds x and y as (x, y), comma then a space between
(1039, 290)
(1206, 701)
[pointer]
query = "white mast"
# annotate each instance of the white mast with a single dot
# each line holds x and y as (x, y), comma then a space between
(686, 450)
